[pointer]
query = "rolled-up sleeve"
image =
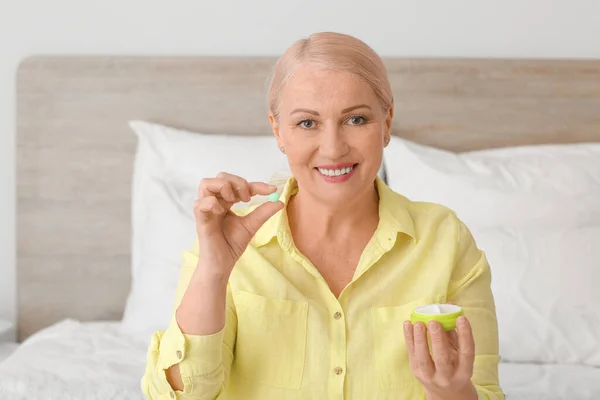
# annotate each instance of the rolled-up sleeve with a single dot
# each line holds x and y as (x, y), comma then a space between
(470, 287)
(204, 360)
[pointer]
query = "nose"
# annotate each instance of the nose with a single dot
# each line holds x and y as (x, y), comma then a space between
(333, 143)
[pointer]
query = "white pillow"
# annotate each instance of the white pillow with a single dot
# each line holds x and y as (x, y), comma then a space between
(169, 165)
(535, 211)
(523, 185)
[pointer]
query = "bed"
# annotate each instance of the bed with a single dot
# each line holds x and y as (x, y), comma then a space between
(76, 159)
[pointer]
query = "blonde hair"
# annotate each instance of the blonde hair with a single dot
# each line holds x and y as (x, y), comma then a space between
(335, 51)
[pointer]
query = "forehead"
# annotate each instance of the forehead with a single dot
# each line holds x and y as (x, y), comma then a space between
(312, 87)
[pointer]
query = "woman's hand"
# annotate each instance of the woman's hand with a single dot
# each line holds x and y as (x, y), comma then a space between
(446, 375)
(222, 235)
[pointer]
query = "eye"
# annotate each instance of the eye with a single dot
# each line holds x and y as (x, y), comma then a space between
(357, 120)
(306, 123)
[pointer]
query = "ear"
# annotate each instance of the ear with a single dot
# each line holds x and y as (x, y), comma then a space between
(275, 128)
(388, 125)
(388, 119)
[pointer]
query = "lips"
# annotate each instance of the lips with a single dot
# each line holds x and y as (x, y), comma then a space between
(337, 173)
(337, 166)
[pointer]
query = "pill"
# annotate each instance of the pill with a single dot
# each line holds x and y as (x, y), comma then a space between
(274, 197)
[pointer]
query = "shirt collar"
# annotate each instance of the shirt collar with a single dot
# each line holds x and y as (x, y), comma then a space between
(393, 215)
(393, 210)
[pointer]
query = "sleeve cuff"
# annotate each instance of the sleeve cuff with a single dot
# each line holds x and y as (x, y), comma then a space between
(197, 355)
(483, 394)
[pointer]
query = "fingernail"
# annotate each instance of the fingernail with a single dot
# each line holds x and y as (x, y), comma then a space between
(461, 322)
(433, 327)
(406, 325)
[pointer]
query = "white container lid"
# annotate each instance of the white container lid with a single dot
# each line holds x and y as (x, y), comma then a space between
(438, 309)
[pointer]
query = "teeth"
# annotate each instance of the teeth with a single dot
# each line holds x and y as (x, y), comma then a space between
(335, 172)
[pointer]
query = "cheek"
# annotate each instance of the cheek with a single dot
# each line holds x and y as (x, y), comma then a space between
(299, 151)
(371, 150)
(370, 140)
(298, 143)
(300, 158)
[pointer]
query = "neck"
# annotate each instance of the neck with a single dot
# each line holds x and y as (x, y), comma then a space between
(321, 220)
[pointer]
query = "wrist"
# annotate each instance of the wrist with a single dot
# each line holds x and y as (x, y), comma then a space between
(468, 393)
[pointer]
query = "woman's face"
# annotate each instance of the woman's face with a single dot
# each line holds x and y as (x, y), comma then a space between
(333, 129)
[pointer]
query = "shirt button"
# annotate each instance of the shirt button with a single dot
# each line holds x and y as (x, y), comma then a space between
(172, 395)
(338, 370)
(179, 354)
(337, 315)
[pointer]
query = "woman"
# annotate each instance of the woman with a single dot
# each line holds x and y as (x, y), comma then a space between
(308, 297)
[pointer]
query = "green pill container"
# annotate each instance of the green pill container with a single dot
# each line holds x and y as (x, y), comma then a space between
(445, 314)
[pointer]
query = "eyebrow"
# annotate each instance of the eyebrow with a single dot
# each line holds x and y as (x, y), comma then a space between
(306, 110)
(344, 111)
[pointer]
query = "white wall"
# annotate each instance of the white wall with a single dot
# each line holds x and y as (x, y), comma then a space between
(477, 28)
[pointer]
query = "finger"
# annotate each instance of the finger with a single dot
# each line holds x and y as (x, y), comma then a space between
(423, 360)
(409, 338)
(221, 188)
(410, 344)
(453, 338)
(466, 346)
(241, 187)
(207, 207)
(260, 215)
(443, 357)
(261, 188)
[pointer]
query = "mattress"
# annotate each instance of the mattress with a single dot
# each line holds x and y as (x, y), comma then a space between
(95, 361)
(75, 361)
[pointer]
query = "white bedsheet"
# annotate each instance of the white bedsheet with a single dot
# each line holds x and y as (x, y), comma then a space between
(96, 361)
(75, 361)
(6, 350)
(549, 382)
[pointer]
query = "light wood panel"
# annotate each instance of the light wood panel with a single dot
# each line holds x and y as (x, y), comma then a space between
(463, 105)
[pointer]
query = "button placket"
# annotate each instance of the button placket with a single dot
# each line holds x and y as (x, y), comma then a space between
(338, 352)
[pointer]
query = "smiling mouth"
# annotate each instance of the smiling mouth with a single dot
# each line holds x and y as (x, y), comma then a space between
(336, 172)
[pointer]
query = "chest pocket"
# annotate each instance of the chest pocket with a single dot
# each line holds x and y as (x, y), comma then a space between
(271, 339)
(391, 355)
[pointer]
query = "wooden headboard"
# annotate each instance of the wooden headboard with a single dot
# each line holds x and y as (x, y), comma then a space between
(75, 150)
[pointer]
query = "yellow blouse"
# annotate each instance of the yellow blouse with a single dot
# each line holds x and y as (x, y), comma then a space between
(288, 337)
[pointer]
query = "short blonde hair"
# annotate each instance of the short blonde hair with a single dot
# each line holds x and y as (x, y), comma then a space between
(335, 51)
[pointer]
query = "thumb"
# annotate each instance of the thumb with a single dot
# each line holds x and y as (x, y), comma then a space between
(260, 215)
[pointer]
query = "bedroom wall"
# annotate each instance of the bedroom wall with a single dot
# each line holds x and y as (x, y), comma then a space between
(471, 28)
